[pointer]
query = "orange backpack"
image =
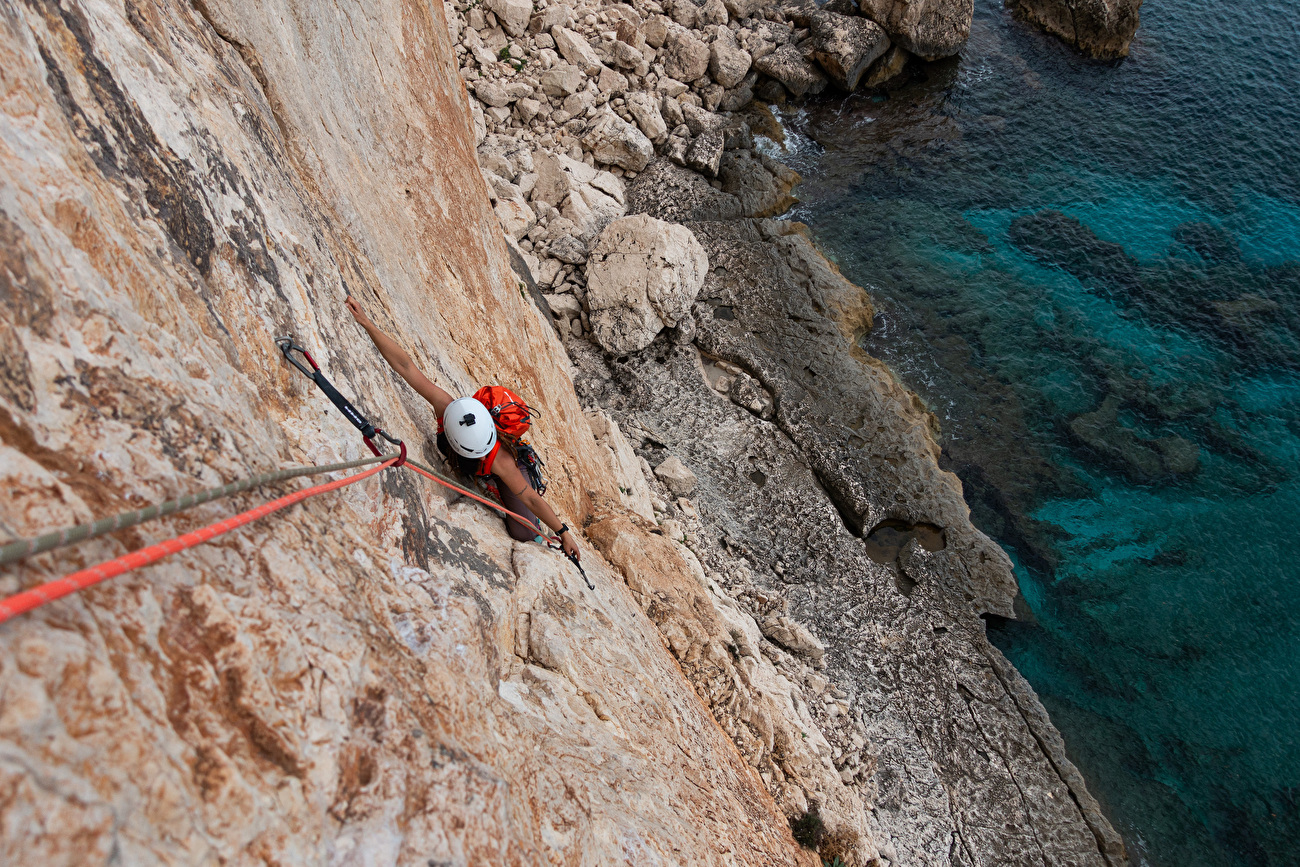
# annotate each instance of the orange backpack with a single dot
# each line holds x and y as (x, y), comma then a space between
(512, 416)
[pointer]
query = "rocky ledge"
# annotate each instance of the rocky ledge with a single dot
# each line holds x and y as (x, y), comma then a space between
(719, 350)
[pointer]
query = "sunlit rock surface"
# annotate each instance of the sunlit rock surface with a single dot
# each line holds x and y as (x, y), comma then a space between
(376, 677)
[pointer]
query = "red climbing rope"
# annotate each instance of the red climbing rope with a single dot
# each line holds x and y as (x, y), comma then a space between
(535, 528)
(48, 592)
(552, 541)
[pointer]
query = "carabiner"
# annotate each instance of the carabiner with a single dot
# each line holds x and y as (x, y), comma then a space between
(287, 346)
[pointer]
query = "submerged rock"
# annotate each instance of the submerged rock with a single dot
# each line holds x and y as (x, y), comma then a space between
(1141, 459)
(1099, 28)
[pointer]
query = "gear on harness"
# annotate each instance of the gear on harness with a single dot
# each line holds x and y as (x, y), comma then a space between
(360, 422)
(530, 462)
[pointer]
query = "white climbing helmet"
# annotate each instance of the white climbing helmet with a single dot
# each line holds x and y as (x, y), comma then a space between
(469, 428)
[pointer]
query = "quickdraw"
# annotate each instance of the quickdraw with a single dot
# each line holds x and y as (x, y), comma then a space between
(360, 422)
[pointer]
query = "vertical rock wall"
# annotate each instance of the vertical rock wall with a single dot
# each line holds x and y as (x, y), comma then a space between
(377, 677)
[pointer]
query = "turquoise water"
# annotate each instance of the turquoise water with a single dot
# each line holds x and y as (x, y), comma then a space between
(1089, 272)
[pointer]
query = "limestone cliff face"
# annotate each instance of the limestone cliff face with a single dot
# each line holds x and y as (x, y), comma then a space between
(379, 676)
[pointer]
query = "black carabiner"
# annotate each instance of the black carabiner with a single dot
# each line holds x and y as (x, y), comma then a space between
(287, 346)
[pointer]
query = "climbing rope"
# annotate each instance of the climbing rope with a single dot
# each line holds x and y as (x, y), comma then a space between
(22, 548)
(57, 589)
(552, 542)
(519, 519)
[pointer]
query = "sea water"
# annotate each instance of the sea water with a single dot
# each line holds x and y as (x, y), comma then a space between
(1089, 272)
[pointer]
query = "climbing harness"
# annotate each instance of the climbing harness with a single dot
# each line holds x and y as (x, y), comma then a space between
(48, 592)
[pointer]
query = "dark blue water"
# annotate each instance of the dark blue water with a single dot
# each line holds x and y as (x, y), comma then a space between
(1089, 271)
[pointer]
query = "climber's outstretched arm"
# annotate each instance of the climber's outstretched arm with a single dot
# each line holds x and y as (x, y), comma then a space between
(400, 360)
(504, 468)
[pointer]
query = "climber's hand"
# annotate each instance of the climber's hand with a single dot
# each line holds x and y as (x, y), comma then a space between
(570, 544)
(357, 313)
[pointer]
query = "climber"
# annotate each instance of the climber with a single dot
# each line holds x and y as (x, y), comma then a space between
(470, 435)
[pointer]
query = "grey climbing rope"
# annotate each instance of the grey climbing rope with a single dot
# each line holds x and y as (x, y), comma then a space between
(22, 548)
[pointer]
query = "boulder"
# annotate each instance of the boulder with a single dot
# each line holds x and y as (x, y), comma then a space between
(677, 477)
(928, 28)
(562, 79)
(513, 15)
(574, 48)
(741, 9)
(645, 108)
(610, 81)
(685, 13)
(713, 12)
(698, 120)
(609, 185)
(792, 635)
(1099, 28)
(887, 68)
(685, 58)
(565, 306)
(728, 62)
(528, 109)
(557, 15)
(614, 141)
(558, 176)
(643, 274)
(656, 30)
(479, 122)
(846, 47)
(627, 56)
(492, 94)
(591, 210)
(705, 153)
(788, 66)
(568, 250)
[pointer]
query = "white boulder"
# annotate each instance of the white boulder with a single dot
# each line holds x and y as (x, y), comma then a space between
(728, 62)
(642, 276)
(645, 108)
(685, 58)
(676, 476)
(512, 15)
(574, 48)
(614, 141)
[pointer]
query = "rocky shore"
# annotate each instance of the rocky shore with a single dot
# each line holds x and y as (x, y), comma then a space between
(719, 350)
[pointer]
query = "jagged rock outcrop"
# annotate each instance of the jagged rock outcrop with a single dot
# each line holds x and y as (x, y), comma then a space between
(927, 28)
(378, 676)
(1099, 28)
